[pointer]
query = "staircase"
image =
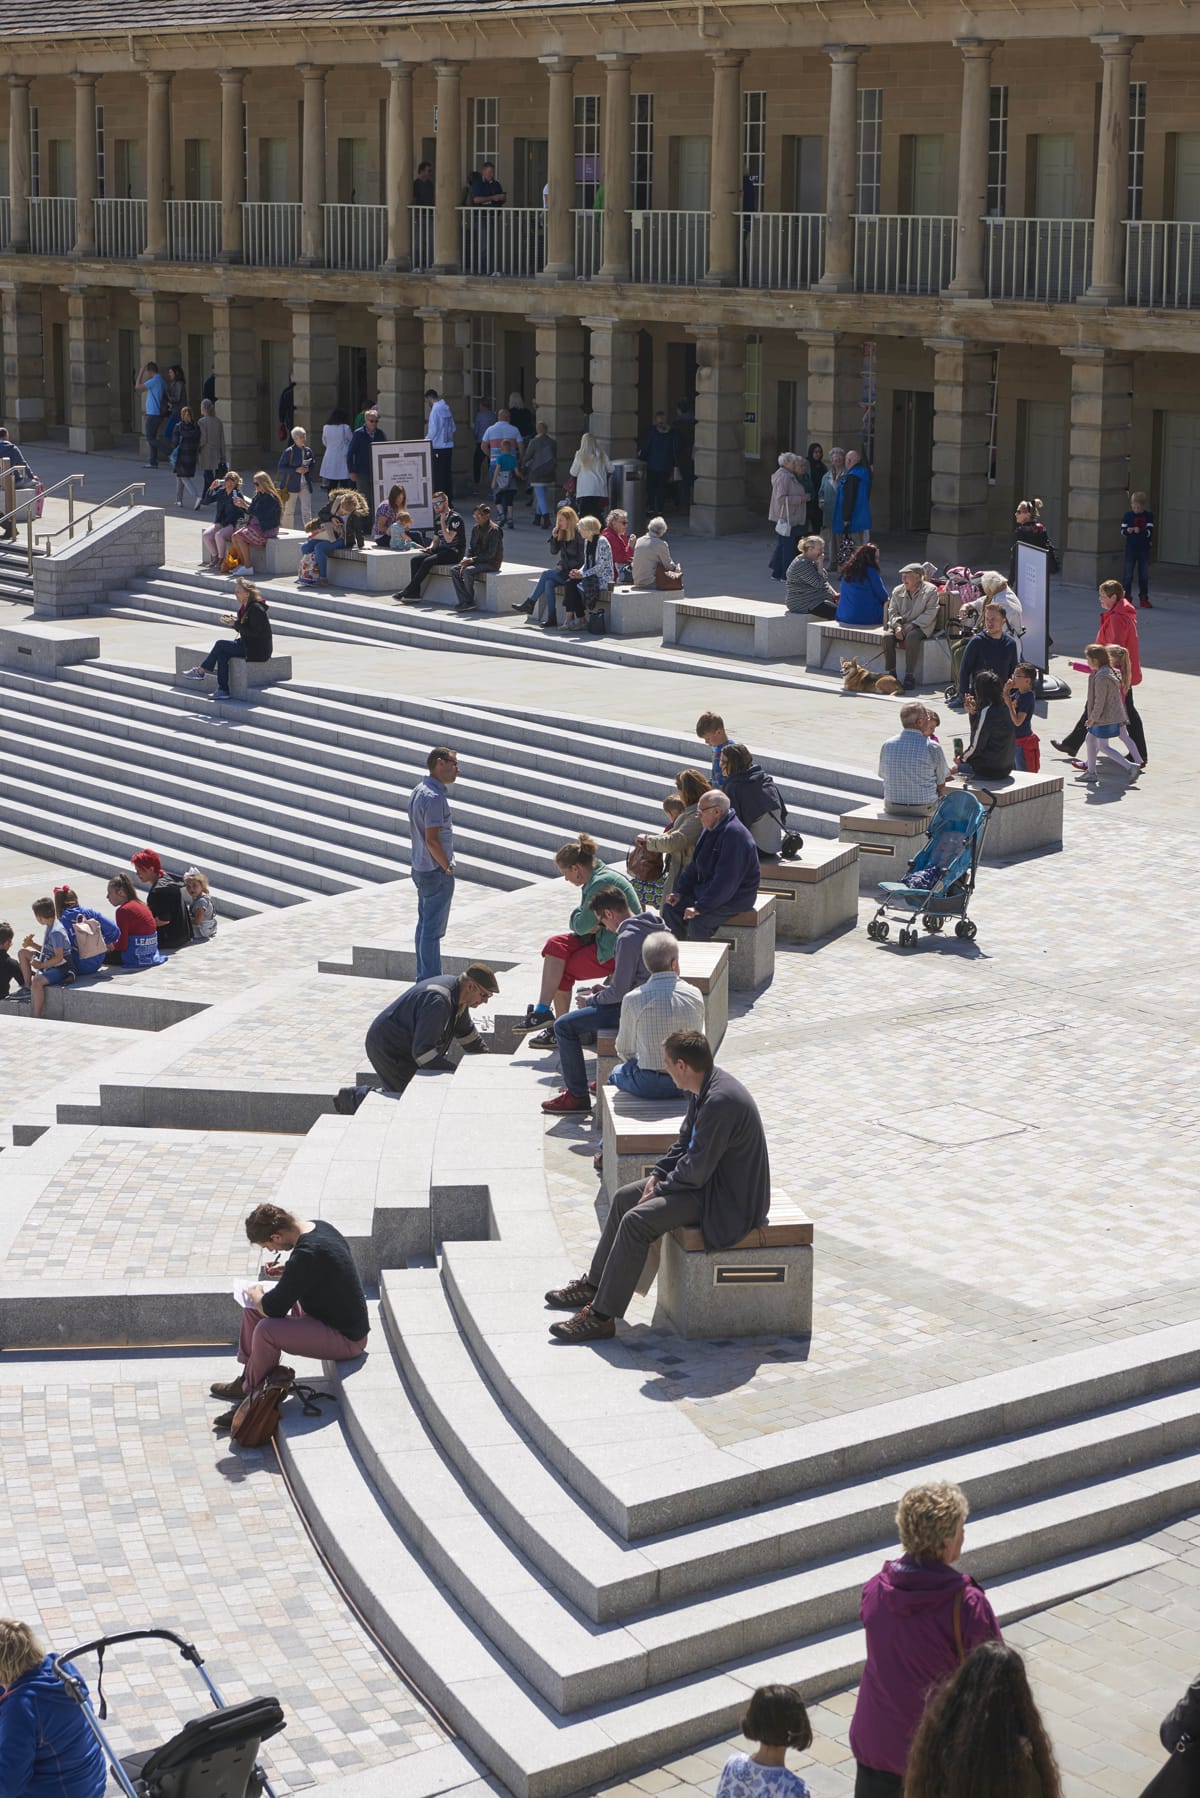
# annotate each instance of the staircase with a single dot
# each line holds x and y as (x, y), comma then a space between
(16, 582)
(304, 792)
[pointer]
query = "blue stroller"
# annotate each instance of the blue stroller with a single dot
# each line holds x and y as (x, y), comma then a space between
(941, 877)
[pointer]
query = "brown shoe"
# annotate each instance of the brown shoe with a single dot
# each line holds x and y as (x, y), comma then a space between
(585, 1326)
(229, 1389)
(224, 1423)
(573, 1297)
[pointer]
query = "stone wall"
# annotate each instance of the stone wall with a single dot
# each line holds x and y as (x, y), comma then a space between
(67, 584)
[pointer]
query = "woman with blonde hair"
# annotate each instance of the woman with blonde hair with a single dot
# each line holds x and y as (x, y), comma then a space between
(584, 951)
(46, 1746)
(565, 539)
(589, 585)
(922, 1618)
(264, 515)
(201, 910)
(591, 471)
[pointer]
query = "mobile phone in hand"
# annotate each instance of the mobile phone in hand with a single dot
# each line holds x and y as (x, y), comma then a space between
(958, 748)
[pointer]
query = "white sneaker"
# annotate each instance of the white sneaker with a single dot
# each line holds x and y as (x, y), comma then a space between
(193, 674)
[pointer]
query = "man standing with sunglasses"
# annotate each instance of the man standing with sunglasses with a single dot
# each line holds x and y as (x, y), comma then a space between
(432, 835)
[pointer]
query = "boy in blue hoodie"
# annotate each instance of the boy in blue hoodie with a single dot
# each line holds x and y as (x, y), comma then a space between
(1137, 530)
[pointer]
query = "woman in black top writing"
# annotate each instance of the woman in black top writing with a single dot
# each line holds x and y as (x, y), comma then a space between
(316, 1309)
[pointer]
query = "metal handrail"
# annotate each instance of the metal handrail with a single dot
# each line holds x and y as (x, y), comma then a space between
(27, 507)
(125, 493)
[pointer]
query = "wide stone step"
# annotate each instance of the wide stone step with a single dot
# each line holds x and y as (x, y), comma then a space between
(241, 894)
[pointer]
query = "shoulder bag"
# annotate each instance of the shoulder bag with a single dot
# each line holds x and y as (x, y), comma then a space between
(666, 580)
(645, 864)
(257, 1417)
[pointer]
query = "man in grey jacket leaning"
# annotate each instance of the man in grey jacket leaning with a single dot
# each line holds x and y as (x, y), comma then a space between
(715, 1175)
(599, 1010)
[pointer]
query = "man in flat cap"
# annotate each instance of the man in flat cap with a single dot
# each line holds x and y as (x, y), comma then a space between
(911, 617)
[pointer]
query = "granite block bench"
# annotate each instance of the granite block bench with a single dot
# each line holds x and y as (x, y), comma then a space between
(243, 675)
(828, 642)
(885, 843)
(278, 555)
(751, 938)
(815, 892)
(739, 627)
(43, 649)
(1028, 815)
(635, 1133)
(704, 966)
(636, 612)
(497, 593)
(370, 569)
(761, 1286)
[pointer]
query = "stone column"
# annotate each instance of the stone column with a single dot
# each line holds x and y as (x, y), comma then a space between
(835, 365)
(841, 180)
(399, 165)
(314, 364)
(617, 168)
(401, 380)
(235, 363)
(448, 170)
(90, 377)
(719, 493)
(962, 376)
(312, 168)
(158, 162)
(969, 282)
(85, 170)
(1101, 444)
(1112, 173)
(159, 337)
(560, 216)
(725, 171)
(18, 162)
(561, 350)
(24, 370)
(232, 169)
(446, 341)
(613, 355)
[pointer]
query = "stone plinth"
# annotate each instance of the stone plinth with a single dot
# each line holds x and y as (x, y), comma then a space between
(827, 643)
(41, 649)
(762, 1286)
(737, 627)
(885, 844)
(815, 893)
(751, 938)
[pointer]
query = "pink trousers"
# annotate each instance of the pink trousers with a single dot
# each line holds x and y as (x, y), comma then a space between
(265, 1340)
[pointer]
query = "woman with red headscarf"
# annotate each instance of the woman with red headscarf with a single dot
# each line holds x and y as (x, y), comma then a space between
(165, 898)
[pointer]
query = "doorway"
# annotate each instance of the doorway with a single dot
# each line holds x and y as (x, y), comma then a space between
(1184, 150)
(199, 367)
(128, 363)
(689, 165)
(1054, 177)
(1043, 440)
(803, 174)
(912, 461)
(517, 373)
(353, 378)
(1178, 536)
(921, 175)
(59, 367)
(531, 168)
(276, 365)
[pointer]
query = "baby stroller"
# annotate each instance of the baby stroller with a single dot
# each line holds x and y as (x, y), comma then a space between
(214, 1756)
(941, 877)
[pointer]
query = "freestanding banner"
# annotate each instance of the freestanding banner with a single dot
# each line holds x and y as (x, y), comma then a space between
(1033, 591)
(411, 465)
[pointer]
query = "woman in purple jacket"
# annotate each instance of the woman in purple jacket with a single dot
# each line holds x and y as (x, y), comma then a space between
(922, 1619)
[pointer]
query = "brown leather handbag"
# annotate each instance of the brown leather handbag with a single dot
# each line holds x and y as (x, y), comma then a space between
(644, 864)
(257, 1417)
(666, 581)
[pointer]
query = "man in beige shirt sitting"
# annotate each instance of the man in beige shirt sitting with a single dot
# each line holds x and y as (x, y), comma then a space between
(911, 619)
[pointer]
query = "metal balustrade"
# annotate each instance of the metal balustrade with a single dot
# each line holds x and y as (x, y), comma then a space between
(120, 229)
(422, 236)
(1038, 259)
(669, 248)
(271, 233)
(51, 225)
(503, 240)
(355, 236)
(782, 249)
(194, 230)
(902, 253)
(589, 242)
(1162, 263)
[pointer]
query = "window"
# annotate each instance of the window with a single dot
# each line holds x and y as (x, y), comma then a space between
(997, 193)
(642, 150)
(1137, 149)
(99, 152)
(245, 149)
(870, 149)
(485, 131)
(587, 149)
(993, 417)
(754, 145)
(870, 392)
(483, 359)
(753, 413)
(35, 153)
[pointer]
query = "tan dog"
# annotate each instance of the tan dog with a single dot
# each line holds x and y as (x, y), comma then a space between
(857, 679)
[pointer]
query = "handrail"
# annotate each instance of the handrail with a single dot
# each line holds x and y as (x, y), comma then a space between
(27, 506)
(47, 537)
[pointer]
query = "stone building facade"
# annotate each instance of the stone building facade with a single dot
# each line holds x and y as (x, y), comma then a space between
(964, 239)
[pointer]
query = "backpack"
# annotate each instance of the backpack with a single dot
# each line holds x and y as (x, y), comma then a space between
(257, 1417)
(89, 939)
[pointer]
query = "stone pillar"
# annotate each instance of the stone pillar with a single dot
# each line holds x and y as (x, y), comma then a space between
(835, 365)
(18, 162)
(158, 162)
(399, 166)
(446, 341)
(232, 170)
(401, 383)
(841, 180)
(613, 357)
(159, 337)
(617, 168)
(719, 493)
(560, 161)
(448, 170)
(312, 168)
(314, 364)
(561, 360)
(1101, 444)
(969, 282)
(1112, 173)
(235, 363)
(962, 375)
(90, 377)
(85, 170)
(725, 171)
(24, 370)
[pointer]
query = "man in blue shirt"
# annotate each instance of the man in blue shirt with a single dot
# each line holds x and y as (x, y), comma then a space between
(432, 836)
(151, 383)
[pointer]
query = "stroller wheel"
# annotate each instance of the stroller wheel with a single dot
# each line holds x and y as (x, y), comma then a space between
(933, 925)
(873, 929)
(882, 931)
(965, 931)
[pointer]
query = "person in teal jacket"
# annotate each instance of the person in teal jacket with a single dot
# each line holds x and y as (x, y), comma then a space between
(46, 1747)
(852, 507)
(583, 952)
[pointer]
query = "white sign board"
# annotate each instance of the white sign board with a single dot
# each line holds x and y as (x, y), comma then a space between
(1033, 591)
(409, 465)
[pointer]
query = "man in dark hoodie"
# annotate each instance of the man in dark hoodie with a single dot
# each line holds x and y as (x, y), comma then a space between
(992, 647)
(757, 801)
(715, 1175)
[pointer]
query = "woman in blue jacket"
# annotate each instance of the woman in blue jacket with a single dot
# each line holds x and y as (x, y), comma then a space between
(46, 1747)
(852, 507)
(863, 595)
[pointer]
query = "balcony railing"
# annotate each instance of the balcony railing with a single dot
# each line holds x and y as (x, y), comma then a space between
(503, 240)
(1162, 263)
(782, 249)
(193, 230)
(670, 248)
(120, 229)
(355, 236)
(896, 253)
(51, 225)
(1038, 259)
(589, 242)
(422, 236)
(270, 233)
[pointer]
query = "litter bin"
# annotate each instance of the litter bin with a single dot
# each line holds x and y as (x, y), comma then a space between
(628, 488)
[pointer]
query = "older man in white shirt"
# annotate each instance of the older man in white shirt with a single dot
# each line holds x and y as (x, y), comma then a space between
(912, 767)
(650, 1014)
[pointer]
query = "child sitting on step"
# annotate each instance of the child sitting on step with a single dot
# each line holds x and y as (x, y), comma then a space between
(777, 1720)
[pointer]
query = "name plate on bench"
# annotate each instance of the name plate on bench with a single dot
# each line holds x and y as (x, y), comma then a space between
(749, 1276)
